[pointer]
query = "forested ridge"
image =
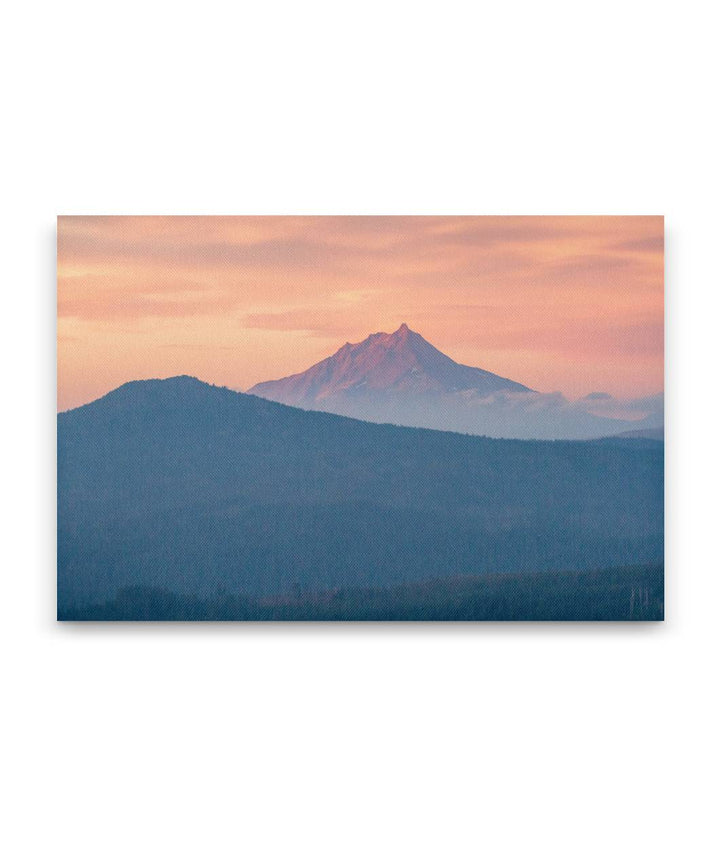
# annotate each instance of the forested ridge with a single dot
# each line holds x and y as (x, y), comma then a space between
(182, 487)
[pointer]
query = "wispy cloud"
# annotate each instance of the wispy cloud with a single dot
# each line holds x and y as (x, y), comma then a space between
(556, 302)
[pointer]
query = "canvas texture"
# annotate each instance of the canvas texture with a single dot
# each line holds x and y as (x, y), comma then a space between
(360, 418)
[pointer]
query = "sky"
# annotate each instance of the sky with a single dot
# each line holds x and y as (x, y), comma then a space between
(560, 304)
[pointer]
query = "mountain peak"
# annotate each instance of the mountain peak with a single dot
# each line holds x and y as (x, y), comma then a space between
(402, 334)
(400, 363)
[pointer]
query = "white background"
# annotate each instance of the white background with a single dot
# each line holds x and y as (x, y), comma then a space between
(359, 739)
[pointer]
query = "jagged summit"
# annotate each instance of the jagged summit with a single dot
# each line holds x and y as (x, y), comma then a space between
(401, 378)
(402, 362)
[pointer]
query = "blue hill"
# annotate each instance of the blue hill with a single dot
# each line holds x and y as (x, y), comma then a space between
(197, 490)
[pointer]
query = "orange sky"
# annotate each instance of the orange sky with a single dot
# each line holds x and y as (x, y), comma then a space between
(558, 303)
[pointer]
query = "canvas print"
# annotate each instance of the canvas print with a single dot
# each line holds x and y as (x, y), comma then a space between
(360, 418)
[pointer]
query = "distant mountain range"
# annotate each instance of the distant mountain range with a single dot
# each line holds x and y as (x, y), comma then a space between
(178, 486)
(401, 378)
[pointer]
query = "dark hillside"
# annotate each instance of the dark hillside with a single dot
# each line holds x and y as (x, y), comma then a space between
(183, 486)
